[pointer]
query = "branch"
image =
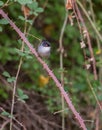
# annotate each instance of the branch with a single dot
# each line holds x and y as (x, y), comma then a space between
(81, 21)
(63, 93)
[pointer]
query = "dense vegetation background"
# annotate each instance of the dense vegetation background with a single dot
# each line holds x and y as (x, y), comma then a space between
(38, 103)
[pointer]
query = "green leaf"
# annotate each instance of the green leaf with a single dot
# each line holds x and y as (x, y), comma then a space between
(29, 21)
(29, 57)
(1, 3)
(20, 41)
(11, 79)
(0, 29)
(33, 6)
(20, 92)
(4, 113)
(39, 10)
(6, 74)
(19, 52)
(23, 54)
(21, 18)
(22, 96)
(4, 21)
(3, 94)
(35, 13)
(36, 66)
(11, 116)
(100, 97)
(23, 2)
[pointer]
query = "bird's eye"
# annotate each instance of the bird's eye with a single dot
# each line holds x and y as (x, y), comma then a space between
(45, 43)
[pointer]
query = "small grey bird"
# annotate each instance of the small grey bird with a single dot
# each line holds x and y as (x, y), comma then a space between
(44, 49)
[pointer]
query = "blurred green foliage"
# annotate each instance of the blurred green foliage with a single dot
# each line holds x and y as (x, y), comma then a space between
(48, 18)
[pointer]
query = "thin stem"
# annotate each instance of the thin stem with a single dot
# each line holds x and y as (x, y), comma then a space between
(92, 24)
(81, 20)
(14, 92)
(4, 124)
(61, 65)
(31, 24)
(6, 3)
(33, 36)
(88, 81)
(97, 39)
(15, 82)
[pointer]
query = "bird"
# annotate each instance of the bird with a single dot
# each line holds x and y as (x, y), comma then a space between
(44, 49)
